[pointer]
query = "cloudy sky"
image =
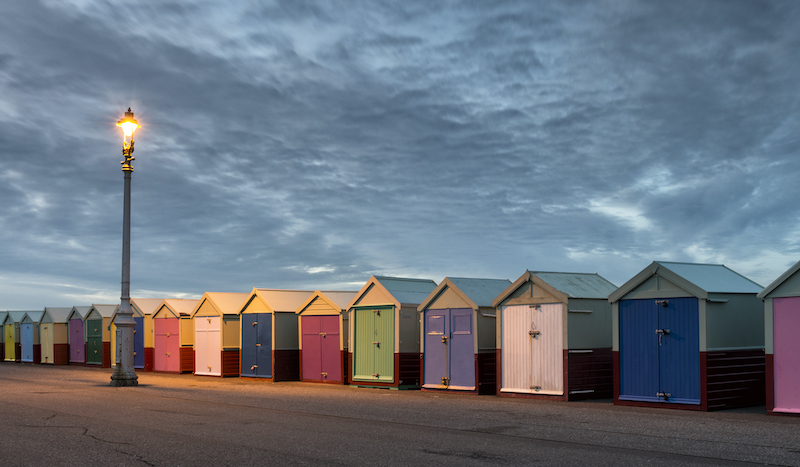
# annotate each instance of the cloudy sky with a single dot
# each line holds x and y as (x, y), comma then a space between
(292, 144)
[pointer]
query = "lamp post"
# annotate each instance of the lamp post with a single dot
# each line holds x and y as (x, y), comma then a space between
(124, 373)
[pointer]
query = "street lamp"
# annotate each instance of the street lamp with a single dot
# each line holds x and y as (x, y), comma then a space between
(124, 373)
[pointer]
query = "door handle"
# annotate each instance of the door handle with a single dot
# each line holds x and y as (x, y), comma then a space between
(444, 339)
(323, 334)
(534, 333)
(376, 375)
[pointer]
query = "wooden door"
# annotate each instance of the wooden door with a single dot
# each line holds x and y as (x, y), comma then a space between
(77, 341)
(786, 364)
(46, 339)
(26, 342)
(94, 339)
(373, 356)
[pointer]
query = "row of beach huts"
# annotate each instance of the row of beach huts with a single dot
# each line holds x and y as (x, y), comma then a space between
(676, 335)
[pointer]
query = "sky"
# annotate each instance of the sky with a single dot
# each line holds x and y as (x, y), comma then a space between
(310, 145)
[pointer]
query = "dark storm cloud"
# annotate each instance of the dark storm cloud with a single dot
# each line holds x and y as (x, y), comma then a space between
(302, 144)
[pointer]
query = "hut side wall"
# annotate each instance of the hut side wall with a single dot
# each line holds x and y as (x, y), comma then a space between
(737, 323)
(286, 357)
(187, 331)
(588, 330)
(230, 331)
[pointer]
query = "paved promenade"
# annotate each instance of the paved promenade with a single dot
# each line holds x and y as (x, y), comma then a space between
(70, 416)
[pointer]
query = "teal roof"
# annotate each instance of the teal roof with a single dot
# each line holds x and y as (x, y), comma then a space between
(58, 315)
(480, 291)
(713, 278)
(407, 291)
(577, 284)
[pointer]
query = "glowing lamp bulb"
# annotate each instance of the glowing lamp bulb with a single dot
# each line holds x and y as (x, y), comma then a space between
(128, 124)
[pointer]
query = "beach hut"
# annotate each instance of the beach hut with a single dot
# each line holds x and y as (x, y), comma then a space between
(54, 336)
(458, 340)
(77, 334)
(11, 335)
(688, 336)
(98, 335)
(173, 336)
(138, 338)
(3, 315)
(384, 332)
(146, 307)
(216, 333)
(554, 336)
(269, 341)
(322, 335)
(781, 330)
(30, 347)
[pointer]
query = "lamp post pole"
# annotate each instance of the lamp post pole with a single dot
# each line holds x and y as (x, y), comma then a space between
(124, 373)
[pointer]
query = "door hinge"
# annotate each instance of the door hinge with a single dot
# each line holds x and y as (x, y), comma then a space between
(254, 367)
(534, 333)
(536, 388)
(323, 334)
(376, 375)
(255, 322)
(665, 395)
(445, 381)
(324, 373)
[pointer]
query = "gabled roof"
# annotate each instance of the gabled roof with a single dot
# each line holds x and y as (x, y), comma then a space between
(405, 291)
(79, 312)
(564, 285)
(146, 306)
(178, 306)
(14, 317)
(57, 314)
(34, 316)
(106, 311)
(227, 303)
(278, 300)
(476, 292)
(336, 299)
(777, 282)
(696, 278)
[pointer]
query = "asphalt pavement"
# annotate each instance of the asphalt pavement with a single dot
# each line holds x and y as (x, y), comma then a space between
(71, 416)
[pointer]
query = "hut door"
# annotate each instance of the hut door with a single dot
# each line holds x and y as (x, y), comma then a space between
(76, 341)
(94, 333)
(208, 356)
(449, 349)
(173, 345)
(46, 339)
(160, 344)
(321, 354)
(138, 343)
(256, 357)
(27, 342)
(214, 346)
(330, 349)
(786, 324)
(532, 355)
(547, 361)
(373, 356)
(659, 350)
(8, 335)
(437, 332)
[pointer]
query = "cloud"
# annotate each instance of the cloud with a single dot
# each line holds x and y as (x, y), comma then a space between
(302, 145)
